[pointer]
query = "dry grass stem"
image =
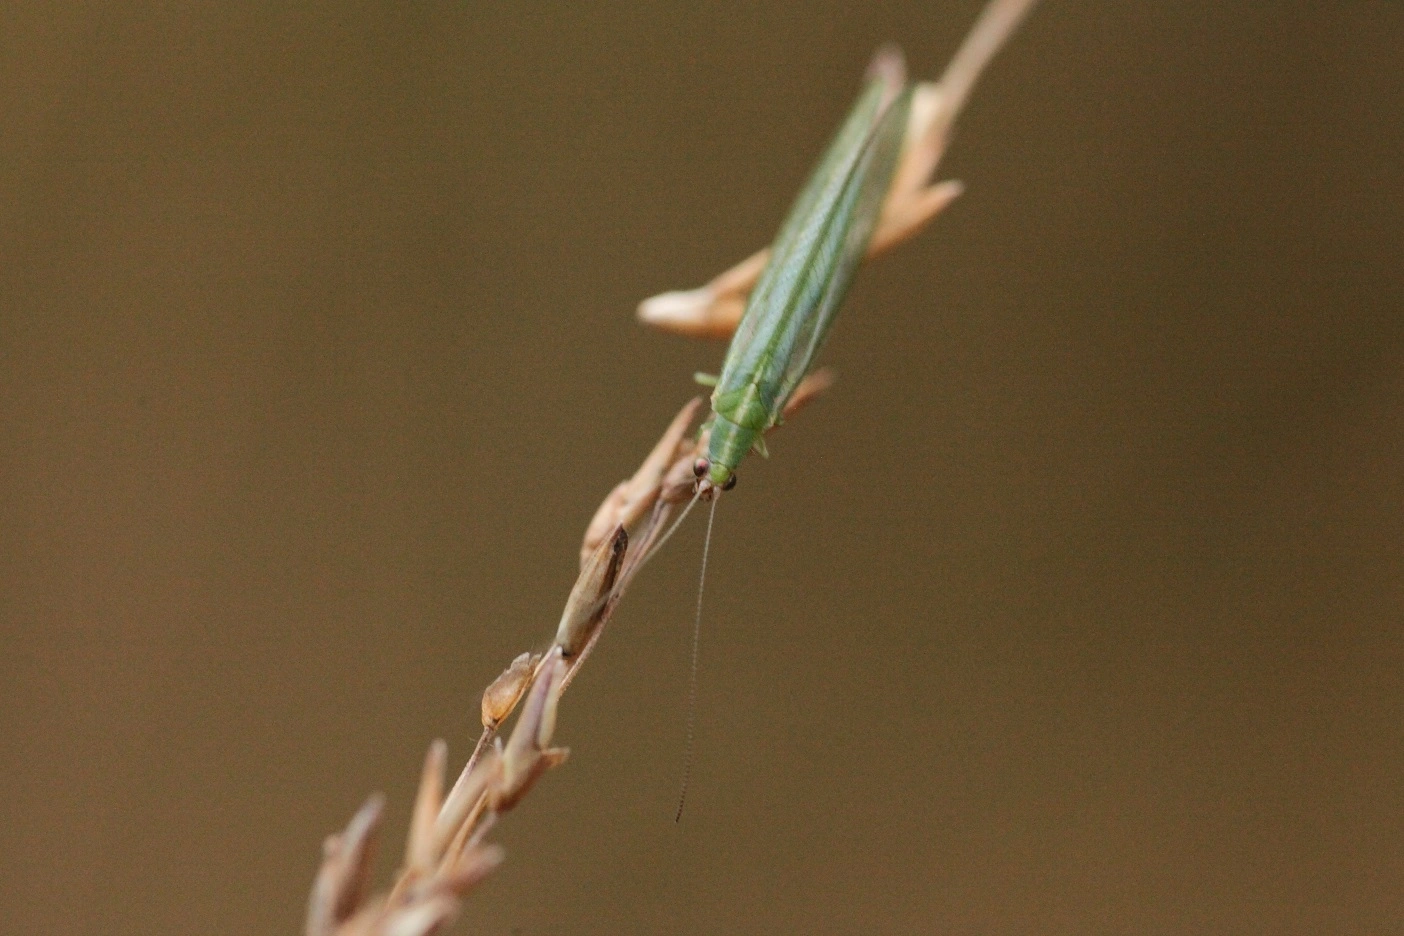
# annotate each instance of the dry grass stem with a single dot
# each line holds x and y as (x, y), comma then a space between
(445, 853)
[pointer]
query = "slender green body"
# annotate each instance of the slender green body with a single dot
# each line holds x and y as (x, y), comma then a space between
(812, 263)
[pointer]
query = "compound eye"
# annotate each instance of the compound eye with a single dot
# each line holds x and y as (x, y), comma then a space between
(701, 467)
(730, 483)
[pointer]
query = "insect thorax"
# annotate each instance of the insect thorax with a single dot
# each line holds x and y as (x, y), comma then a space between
(728, 444)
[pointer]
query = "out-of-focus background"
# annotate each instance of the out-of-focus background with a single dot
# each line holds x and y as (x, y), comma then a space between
(1075, 607)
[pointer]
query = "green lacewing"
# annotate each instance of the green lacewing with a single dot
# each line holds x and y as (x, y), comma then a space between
(811, 266)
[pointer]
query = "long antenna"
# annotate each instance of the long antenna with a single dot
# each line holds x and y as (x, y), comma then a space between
(654, 547)
(692, 675)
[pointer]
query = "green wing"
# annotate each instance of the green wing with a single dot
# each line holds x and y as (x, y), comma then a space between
(845, 240)
(818, 249)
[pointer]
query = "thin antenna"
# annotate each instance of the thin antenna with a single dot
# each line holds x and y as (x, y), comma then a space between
(654, 547)
(692, 675)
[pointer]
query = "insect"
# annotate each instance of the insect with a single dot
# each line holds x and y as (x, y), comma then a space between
(811, 265)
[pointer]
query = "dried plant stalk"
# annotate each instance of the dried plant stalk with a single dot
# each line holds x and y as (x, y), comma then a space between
(445, 855)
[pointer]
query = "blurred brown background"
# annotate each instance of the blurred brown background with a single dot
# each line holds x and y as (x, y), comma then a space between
(1074, 608)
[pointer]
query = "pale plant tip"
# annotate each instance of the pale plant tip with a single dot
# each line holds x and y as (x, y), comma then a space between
(342, 881)
(694, 313)
(680, 309)
(367, 818)
(712, 311)
(419, 851)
